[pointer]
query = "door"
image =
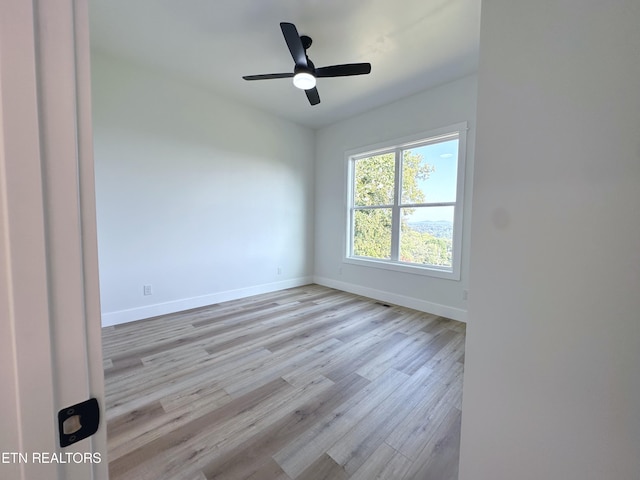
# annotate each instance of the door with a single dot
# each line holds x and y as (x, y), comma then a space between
(50, 349)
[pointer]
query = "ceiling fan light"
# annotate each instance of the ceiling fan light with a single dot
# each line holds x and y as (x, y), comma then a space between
(304, 80)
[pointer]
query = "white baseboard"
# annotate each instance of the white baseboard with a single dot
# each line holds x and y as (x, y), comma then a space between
(148, 311)
(396, 299)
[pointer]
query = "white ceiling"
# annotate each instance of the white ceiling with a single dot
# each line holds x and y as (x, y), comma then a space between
(412, 45)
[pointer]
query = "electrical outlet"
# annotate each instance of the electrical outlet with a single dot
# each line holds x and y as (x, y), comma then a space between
(465, 294)
(279, 270)
(147, 290)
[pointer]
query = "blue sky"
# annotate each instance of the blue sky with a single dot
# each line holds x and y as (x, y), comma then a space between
(441, 184)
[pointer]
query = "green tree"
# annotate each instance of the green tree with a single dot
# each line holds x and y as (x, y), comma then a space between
(374, 187)
(424, 248)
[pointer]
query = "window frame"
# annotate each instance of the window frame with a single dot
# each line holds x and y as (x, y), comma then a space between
(396, 146)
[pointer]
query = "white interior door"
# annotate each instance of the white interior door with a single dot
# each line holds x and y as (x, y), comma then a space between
(50, 350)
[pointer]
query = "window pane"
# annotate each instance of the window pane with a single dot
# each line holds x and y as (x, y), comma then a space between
(426, 235)
(372, 233)
(429, 173)
(373, 180)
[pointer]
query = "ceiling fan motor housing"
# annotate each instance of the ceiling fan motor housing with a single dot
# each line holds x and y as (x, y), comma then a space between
(310, 68)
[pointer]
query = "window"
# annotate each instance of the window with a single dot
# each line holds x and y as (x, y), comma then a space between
(405, 204)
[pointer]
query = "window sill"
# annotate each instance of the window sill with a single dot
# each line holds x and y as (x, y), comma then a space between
(404, 267)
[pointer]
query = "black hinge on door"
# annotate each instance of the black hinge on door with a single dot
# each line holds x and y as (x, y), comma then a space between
(78, 422)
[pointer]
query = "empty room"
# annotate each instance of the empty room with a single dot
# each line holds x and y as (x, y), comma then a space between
(319, 240)
(283, 277)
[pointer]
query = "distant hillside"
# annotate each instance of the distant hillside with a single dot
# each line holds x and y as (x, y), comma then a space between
(439, 229)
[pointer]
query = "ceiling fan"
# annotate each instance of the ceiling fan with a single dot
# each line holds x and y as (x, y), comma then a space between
(304, 72)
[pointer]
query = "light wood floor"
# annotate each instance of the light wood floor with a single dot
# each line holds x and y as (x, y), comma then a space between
(307, 383)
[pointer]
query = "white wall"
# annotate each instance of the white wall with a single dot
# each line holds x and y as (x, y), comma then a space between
(448, 104)
(201, 197)
(552, 376)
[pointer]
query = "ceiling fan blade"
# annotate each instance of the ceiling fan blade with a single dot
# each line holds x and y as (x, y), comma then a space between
(344, 70)
(313, 96)
(294, 43)
(268, 76)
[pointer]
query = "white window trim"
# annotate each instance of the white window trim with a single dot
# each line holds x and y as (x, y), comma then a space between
(394, 146)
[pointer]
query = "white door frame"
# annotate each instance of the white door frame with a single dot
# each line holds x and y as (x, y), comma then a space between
(50, 347)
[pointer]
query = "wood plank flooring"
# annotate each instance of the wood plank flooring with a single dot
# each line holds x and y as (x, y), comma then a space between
(308, 383)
